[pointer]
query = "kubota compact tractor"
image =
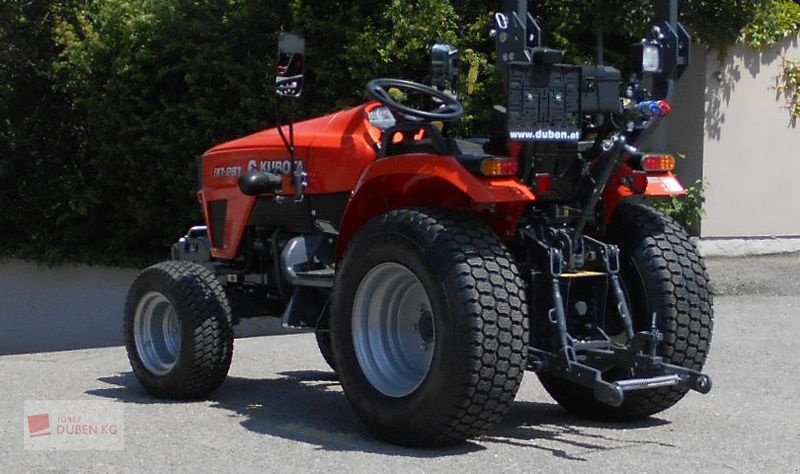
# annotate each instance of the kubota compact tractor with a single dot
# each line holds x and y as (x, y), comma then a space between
(435, 270)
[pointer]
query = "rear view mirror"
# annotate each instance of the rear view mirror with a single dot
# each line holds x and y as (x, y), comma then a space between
(445, 65)
(291, 65)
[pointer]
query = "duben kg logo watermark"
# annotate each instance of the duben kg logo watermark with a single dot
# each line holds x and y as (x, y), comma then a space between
(73, 425)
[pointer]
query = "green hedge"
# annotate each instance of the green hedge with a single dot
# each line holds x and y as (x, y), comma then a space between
(106, 104)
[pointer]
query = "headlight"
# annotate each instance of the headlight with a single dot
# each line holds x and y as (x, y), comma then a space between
(651, 58)
(382, 118)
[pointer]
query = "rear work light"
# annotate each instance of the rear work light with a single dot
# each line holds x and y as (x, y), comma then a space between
(499, 167)
(657, 163)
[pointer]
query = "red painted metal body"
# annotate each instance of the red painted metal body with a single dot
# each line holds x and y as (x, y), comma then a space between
(427, 180)
(659, 184)
(334, 150)
(339, 152)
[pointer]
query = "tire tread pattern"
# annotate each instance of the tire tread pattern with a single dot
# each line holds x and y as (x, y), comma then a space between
(203, 365)
(490, 297)
(681, 282)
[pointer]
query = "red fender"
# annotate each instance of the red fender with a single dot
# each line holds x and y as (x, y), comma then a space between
(658, 185)
(418, 180)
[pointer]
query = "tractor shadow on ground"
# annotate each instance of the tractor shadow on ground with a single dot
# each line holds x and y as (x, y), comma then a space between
(547, 427)
(308, 406)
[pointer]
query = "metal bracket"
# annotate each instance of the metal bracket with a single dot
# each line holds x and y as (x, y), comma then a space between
(584, 362)
(557, 314)
(611, 260)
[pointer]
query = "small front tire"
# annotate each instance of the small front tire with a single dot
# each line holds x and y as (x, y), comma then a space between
(178, 330)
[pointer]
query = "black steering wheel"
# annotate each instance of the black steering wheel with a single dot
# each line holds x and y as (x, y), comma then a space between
(450, 109)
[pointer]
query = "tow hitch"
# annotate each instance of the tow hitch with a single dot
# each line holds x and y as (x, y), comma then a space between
(608, 367)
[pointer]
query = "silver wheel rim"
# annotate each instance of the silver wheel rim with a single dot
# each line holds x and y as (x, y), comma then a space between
(393, 329)
(157, 333)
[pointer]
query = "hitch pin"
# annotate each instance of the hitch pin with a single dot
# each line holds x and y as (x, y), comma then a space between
(655, 335)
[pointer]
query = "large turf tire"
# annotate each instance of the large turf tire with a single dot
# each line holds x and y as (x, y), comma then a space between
(662, 272)
(474, 333)
(181, 308)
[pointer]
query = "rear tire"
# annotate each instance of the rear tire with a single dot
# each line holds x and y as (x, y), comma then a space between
(662, 272)
(178, 331)
(324, 345)
(429, 327)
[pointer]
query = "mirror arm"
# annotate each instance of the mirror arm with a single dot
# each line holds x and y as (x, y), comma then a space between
(288, 142)
(298, 178)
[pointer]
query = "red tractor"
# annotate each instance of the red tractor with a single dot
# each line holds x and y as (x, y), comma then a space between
(435, 271)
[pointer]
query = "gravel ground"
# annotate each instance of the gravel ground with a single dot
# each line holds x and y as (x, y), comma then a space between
(281, 409)
(770, 275)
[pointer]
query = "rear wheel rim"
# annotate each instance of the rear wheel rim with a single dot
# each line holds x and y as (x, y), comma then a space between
(393, 329)
(157, 333)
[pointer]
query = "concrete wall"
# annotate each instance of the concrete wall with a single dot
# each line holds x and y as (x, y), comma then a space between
(683, 130)
(751, 153)
(74, 307)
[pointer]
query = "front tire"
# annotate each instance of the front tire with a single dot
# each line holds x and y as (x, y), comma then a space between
(663, 273)
(178, 330)
(429, 327)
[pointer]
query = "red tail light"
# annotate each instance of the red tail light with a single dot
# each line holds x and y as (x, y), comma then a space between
(499, 167)
(655, 163)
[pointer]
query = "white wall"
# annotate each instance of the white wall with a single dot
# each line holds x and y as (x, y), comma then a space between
(751, 154)
(73, 307)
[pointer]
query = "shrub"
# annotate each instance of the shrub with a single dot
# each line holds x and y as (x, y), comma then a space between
(106, 104)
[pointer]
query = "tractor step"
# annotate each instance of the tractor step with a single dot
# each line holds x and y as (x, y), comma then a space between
(322, 278)
(309, 251)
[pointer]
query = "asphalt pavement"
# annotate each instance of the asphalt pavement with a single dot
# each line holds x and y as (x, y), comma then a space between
(282, 410)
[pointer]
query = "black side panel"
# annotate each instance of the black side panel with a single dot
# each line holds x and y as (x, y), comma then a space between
(299, 217)
(561, 161)
(218, 211)
(290, 216)
(329, 207)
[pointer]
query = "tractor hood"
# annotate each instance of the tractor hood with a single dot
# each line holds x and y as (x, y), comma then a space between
(305, 133)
